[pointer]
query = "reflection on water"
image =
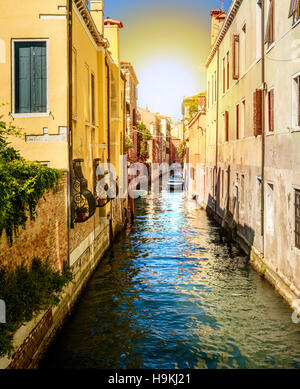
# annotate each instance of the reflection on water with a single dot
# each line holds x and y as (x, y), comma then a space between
(171, 294)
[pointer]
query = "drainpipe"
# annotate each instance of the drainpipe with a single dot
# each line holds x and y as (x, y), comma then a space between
(263, 119)
(70, 222)
(108, 142)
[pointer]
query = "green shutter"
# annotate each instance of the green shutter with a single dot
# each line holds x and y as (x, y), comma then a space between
(31, 77)
(22, 77)
(38, 77)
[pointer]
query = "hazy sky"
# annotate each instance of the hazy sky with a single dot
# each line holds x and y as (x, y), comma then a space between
(167, 42)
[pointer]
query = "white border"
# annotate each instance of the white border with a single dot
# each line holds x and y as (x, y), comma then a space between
(29, 114)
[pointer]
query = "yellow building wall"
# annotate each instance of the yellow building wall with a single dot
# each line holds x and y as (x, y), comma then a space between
(28, 20)
(112, 34)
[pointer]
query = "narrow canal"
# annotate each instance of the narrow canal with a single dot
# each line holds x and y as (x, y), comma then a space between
(171, 294)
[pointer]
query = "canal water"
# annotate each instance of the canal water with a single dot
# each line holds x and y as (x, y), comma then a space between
(171, 294)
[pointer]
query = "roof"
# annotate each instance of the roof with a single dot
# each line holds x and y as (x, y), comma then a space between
(88, 20)
(128, 66)
(235, 5)
(111, 22)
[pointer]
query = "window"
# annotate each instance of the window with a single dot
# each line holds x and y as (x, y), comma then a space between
(238, 121)
(270, 208)
(215, 86)
(243, 116)
(74, 82)
(269, 38)
(294, 10)
(243, 50)
(258, 29)
(297, 218)
(235, 56)
(208, 97)
(93, 97)
(30, 77)
(271, 110)
(228, 70)
(87, 93)
(212, 89)
(224, 75)
(242, 193)
(226, 123)
(296, 101)
(257, 112)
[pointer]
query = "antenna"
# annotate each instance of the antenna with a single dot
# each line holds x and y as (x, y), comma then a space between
(221, 4)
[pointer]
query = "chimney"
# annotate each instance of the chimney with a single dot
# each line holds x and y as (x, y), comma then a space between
(111, 33)
(217, 19)
(97, 12)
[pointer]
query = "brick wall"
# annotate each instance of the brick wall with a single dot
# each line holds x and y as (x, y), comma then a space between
(46, 236)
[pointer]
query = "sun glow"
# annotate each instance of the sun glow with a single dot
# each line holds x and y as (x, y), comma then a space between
(164, 82)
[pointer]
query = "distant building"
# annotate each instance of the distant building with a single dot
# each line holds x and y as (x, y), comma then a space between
(152, 122)
(131, 97)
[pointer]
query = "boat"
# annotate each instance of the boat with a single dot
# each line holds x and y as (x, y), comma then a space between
(176, 182)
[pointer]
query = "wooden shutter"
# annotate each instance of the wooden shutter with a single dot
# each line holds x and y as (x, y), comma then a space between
(38, 77)
(292, 7)
(271, 110)
(226, 126)
(224, 75)
(22, 77)
(269, 38)
(235, 56)
(228, 70)
(238, 121)
(257, 112)
(93, 97)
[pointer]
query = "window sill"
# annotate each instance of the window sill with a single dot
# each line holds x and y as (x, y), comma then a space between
(270, 133)
(30, 115)
(295, 129)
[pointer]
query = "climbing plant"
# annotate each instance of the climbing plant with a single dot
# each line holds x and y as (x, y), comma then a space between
(27, 291)
(22, 184)
(145, 137)
(128, 143)
(181, 150)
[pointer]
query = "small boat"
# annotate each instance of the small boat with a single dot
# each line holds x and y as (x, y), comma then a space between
(176, 182)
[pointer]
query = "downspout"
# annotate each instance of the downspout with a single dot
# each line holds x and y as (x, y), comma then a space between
(263, 120)
(108, 142)
(70, 149)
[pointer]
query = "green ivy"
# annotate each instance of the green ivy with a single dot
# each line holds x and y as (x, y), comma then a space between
(146, 136)
(27, 291)
(128, 143)
(181, 150)
(22, 184)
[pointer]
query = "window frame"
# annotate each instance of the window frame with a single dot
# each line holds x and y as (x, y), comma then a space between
(296, 102)
(15, 114)
(271, 111)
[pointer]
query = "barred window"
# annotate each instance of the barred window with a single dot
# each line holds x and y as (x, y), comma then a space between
(297, 218)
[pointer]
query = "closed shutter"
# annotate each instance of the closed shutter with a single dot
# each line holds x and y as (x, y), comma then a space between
(271, 110)
(237, 121)
(226, 126)
(257, 112)
(298, 90)
(235, 57)
(269, 38)
(30, 77)
(38, 77)
(22, 77)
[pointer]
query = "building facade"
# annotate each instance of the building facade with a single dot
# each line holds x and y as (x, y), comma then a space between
(131, 110)
(61, 82)
(252, 134)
